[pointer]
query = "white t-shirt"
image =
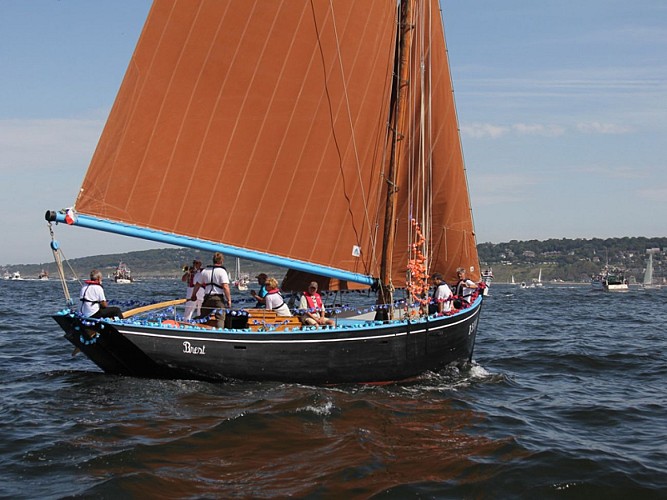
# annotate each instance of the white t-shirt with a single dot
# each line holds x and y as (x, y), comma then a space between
(468, 289)
(217, 275)
(275, 301)
(441, 293)
(93, 293)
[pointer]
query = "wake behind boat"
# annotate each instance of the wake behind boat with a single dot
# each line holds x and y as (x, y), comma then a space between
(340, 115)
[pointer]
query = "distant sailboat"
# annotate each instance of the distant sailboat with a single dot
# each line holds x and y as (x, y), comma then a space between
(648, 274)
(241, 281)
(340, 115)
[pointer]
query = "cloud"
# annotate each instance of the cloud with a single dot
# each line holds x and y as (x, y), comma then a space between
(603, 128)
(539, 129)
(657, 194)
(612, 172)
(482, 130)
(489, 130)
(493, 189)
(47, 143)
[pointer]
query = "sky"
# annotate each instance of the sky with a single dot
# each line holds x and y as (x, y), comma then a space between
(562, 107)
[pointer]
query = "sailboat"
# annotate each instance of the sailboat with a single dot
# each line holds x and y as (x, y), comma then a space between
(648, 273)
(340, 117)
(241, 281)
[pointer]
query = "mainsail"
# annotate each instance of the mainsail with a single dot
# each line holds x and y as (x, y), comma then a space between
(267, 127)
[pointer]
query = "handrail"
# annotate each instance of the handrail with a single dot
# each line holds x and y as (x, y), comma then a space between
(150, 307)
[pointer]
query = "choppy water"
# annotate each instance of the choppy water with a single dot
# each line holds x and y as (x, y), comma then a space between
(566, 400)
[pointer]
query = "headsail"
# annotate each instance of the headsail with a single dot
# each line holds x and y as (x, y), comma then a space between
(432, 182)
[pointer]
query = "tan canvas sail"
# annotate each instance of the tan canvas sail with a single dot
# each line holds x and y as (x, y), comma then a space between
(264, 126)
(258, 124)
(432, 181)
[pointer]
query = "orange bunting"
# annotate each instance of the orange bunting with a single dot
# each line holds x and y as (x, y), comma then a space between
(417, 283)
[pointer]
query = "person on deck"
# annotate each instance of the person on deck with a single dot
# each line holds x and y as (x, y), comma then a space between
(464, 287)
(93, 300)
(192, 307)
(217, 294)
(274, 299)
(311, 303)
(441, 300)
(260, 296)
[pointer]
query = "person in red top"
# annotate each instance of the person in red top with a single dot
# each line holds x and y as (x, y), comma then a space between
(311, 303)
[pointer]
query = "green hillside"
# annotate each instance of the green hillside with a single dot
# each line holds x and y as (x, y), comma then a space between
(573, 260)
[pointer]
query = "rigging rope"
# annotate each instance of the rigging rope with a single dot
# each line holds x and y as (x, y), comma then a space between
(59, 257)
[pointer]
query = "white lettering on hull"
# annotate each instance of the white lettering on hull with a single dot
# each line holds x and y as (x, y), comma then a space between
(188, 348)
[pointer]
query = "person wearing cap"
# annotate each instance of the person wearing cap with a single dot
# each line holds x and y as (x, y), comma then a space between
(464, 287)
(260, 296)
(313, 307)
(441, 300)
(189, 277)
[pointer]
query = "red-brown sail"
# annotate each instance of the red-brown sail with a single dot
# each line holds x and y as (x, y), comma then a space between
(263, 126)
(432, 182)
(257, 124)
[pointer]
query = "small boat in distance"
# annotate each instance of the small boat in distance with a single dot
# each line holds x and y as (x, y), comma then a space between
(241, 281)
(43, 275)
(15, 276)
(610, 280)
(487, 279)
(122, 274)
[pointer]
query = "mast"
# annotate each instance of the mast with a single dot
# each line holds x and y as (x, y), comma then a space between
(398, 105)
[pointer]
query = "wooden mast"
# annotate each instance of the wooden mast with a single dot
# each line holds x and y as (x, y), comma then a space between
(406, 26)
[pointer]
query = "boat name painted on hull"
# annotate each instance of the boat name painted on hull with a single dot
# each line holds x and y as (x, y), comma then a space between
(473, 327)
(188, 348)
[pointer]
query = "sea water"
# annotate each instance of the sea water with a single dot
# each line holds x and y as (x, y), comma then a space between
(565, 399)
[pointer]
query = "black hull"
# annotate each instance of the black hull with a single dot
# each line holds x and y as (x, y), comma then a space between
(369, 354)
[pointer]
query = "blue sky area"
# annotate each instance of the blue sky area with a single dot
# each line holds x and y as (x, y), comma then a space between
(562, 107)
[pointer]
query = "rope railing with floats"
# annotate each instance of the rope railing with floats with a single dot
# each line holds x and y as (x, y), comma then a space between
(171, 312)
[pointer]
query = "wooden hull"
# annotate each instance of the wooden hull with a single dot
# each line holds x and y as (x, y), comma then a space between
(369, 353)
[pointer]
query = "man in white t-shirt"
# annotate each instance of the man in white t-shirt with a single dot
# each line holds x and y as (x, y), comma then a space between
(218, 297)
(93, 300)
(441, 300)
